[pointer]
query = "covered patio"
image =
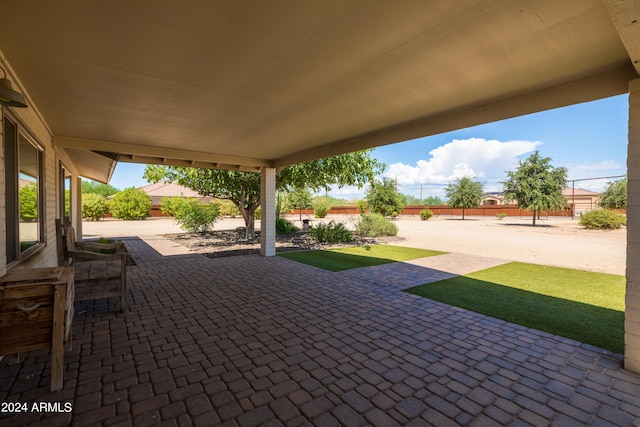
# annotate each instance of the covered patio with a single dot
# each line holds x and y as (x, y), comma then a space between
(256, 87)
(256, 340)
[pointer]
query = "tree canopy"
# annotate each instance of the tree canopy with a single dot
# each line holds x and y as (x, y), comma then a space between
(98, 188)
(615, 195)
(464, 193)
(536, 185)
(243, 188)
(383, 198)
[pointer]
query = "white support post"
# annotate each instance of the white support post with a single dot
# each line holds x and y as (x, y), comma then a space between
(268, 214)
(632, 309)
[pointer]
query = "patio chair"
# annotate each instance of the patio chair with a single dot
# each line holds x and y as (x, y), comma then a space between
(96, 275)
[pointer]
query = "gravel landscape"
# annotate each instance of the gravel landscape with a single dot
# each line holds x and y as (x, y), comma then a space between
(555, 241)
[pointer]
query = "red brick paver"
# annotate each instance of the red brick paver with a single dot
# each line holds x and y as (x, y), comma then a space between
(251, 341)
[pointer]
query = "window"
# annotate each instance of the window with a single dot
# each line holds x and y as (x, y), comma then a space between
(23, 192)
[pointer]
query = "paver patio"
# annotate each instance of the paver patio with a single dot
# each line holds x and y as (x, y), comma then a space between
(266, 341)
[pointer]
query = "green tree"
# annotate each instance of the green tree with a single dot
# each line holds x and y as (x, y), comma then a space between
(299, 198)
(615, 195)
(433, 201)
(98, 188)
(29, 202)
(536, 185)
(408, 199)
(464, 193)
(383, 198)
(243, 188)
(131, 203)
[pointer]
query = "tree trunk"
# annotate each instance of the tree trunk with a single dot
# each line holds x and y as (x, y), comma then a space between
(248, 214)
(534, 217)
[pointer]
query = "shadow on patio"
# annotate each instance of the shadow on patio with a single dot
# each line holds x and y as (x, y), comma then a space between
(266, 341)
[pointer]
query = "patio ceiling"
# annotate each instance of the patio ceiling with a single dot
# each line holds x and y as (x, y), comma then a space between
(246, 84)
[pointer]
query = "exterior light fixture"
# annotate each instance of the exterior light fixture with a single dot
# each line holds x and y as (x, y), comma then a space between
(8, 96)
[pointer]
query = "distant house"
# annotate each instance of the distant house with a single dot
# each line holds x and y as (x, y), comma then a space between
(583, 200)
(494, 198)
(160, 190)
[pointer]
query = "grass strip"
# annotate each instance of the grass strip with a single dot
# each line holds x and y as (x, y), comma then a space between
(581, 305)
(340, 259)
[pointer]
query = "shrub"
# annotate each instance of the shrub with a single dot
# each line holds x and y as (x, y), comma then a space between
(320, 209)
(362, 206)
(228, 208)
(602, 219)
(375, 225)
(501, 215)
(257, 214)
(425, 214)
(332, 232)
(195, 217)
(131, 203)
(169, 205)
(94, 206)
(284, 226)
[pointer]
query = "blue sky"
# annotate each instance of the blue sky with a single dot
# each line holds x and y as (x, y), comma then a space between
(589, 139)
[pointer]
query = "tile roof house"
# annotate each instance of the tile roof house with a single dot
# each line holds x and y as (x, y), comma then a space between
(162, 189)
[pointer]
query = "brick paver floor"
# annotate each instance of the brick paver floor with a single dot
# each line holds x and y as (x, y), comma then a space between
(252, 341)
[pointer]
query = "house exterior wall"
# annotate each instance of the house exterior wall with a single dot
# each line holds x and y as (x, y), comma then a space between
(31, 120)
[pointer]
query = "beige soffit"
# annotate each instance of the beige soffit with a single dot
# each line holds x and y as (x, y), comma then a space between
(247, 84)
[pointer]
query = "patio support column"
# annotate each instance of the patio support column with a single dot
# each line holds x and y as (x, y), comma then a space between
(632, 310)
(268, 214)
(76, 207)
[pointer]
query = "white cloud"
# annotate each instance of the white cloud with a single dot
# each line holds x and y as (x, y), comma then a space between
(604, 168)
(485, 160)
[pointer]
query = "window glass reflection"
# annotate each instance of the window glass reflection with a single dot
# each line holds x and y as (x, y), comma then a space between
(28, 197)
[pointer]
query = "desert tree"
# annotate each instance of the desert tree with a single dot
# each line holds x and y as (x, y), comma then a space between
(464, 193)
(615, 195)
(243, 188)
(536, 185)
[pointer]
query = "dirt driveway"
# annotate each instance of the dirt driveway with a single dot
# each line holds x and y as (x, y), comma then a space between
(559, 242)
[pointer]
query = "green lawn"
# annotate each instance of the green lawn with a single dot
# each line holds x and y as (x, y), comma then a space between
(581, 305)
(357, 256)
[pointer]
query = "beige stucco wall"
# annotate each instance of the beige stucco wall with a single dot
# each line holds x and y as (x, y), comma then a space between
(632, 312)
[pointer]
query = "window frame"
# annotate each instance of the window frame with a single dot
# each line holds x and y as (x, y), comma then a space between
(13, 131)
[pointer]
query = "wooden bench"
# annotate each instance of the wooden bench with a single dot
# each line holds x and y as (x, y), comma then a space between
(96, 275)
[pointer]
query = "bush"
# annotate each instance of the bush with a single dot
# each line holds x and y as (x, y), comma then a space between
(320, 209)
(333, 232)
(362, 206)
(94, 206)
(501, 215)
(375, 225)
(228, 208)
(284, 226)
(169, 205)
(131, 203)
(602, 219)
(425, 214)
(195, 217)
